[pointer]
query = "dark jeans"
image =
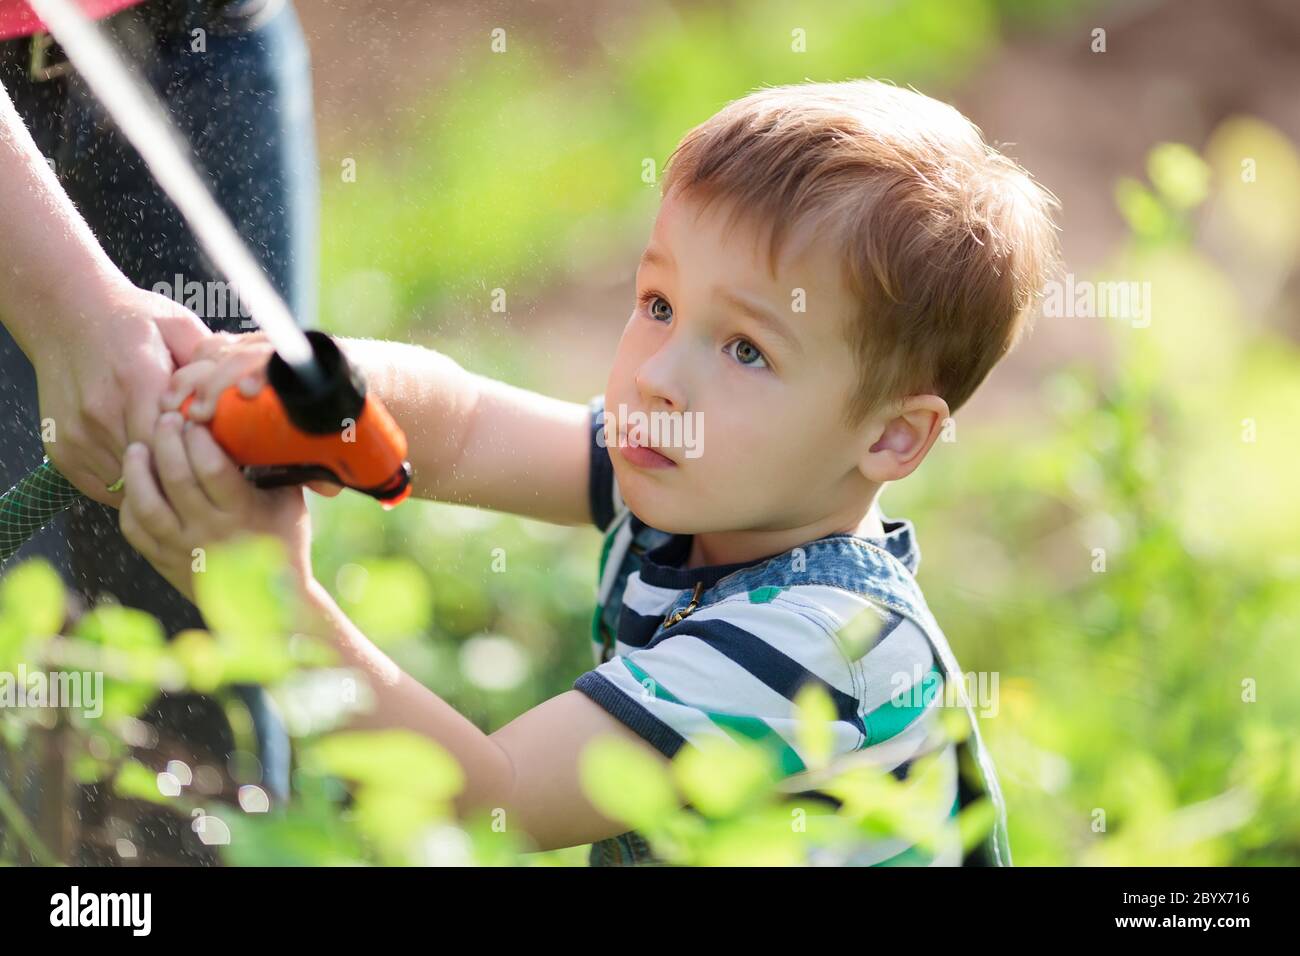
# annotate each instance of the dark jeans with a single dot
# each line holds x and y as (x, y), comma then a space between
(244, 104)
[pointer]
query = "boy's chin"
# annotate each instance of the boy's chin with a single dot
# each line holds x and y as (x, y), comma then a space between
(662, 509)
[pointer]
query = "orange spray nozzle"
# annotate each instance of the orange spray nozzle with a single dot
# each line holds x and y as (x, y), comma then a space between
(291, 432)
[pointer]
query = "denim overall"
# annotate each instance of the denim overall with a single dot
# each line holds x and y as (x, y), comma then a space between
(880, 569)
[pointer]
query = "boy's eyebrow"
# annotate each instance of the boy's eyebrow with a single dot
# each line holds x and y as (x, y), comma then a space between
(654, 257)
(759, 314)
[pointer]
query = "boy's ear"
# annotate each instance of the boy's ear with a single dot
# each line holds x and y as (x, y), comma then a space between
(901, 436)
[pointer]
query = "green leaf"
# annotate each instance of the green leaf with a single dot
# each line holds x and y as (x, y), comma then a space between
(388, 598)
(31, 608)
(199, 656)
(765, 838)
(134, 644)
(1141, 209)
(625, 783)
(134, 779)
(859, 633)
(248, 598)
(1179, 174)
(120, 628)
(719, 778)
(814, 731)
(398, 760)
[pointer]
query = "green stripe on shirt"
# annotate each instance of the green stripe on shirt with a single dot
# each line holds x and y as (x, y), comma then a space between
(751, 729)
(890, 719)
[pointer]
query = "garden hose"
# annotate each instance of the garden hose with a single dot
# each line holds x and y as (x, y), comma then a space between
(29, 505)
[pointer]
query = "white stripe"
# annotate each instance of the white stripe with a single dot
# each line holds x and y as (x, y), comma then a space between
(702, 677)
(647, 599)
(616, 496)
(686, 720)
(841, 604)
(614, 561)
(893, 665)
(789, 631)
(891, 754)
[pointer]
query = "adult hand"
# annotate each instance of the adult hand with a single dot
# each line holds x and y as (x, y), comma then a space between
(100, 386)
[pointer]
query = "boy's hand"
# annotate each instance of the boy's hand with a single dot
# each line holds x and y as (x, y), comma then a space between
(185, 493)
(220, 361)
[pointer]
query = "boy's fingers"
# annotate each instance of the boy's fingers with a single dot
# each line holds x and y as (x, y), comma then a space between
(244, 369)
(136, 536)
(183, 382)
(145, 508)
(326, 489)
(212, 346)
(177, 477)
(220, 478)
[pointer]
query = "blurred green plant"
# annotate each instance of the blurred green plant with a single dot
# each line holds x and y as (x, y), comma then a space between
(385, 797)
(522, 167)
(1125, 554)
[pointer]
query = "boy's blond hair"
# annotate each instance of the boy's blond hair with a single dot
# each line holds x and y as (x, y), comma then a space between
(947, 242)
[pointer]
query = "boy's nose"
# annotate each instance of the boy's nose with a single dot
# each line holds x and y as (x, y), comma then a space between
(658, 382)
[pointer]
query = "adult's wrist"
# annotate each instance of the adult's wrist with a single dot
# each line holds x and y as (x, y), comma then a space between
(53, 315)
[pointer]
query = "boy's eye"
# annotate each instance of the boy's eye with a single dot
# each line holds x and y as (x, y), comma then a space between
(657, 306)
(747, 354)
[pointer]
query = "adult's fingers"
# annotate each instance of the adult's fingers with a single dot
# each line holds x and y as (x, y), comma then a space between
(142, 388)
(214, 346)
(182, 332)
(90, 466)
(91, 485)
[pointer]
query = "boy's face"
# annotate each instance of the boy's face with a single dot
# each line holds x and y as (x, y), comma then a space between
(756, 439)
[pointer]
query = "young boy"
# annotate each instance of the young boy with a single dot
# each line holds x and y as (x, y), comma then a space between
(833, 270)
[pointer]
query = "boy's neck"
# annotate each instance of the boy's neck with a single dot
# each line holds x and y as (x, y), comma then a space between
(735, 547)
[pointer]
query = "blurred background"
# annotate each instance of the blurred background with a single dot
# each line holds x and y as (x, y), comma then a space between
(1116, 531)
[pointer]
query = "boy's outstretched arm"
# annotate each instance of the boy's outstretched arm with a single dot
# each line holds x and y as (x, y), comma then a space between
(531, 767)
(480, 441)
(473, 440)
(183, 492)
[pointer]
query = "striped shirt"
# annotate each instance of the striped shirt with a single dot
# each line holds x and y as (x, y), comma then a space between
(719, 653)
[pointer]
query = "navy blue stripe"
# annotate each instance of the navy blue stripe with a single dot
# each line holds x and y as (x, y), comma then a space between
(661, 566)
(658, 734)
(779, 672)
(600, 475)
(635, 630)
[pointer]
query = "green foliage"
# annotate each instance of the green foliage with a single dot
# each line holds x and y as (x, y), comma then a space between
(1127, 556)
(522, 166)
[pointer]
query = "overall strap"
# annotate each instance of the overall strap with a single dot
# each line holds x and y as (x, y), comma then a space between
(852, 563)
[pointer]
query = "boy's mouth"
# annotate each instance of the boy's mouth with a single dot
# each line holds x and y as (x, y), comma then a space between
(640, 455)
